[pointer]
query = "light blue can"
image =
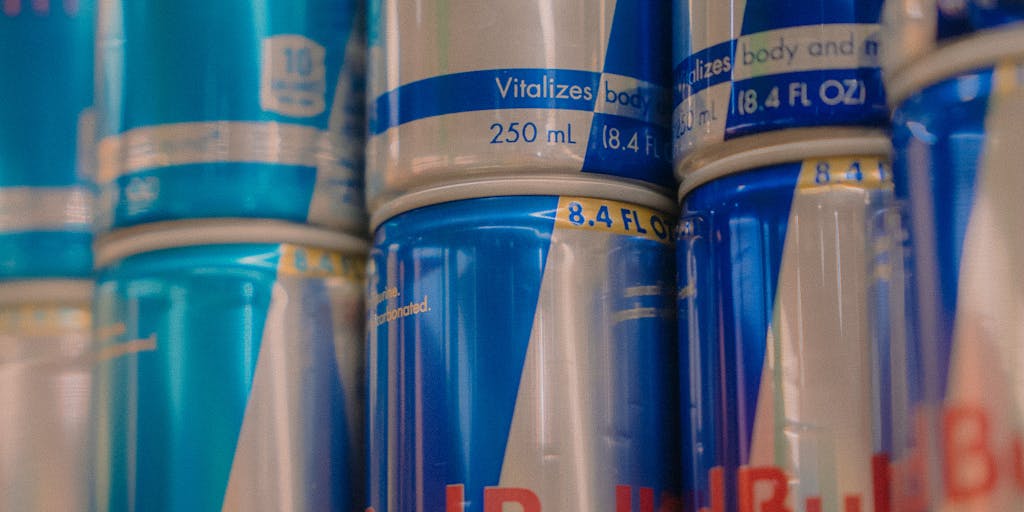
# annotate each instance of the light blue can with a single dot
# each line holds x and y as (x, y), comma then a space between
(230, 368)
(45, 138)
(230, 109)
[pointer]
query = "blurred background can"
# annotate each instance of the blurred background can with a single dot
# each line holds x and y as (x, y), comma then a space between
(957, 164)
(230, 109)
(47, 357)
(914, 29)
(231, 369)
(776, 347)
(462, 89)
(521, 349)
(46, 138)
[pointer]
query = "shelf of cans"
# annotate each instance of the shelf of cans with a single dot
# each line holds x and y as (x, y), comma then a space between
(566, 255)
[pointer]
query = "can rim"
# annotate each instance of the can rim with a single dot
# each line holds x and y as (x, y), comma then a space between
(474, 188)
(965, 54)
(744, 154)
(61, 291)
(157, 236)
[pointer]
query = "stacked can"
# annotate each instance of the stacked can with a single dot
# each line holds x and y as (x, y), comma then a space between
(45, 254)
(521, 330)
(784, 167)
(958, 95)
(231, 256)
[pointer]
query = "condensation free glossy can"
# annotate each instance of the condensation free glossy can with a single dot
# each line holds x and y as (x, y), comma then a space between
(230, 109)
(776, 342)
(460, 88)
(232, 363)
(521, 349)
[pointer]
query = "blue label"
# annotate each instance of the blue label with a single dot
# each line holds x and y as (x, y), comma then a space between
(809, 98)
(638, 45)
(201, 391)
(755, 66)
(762, 15)
(486, 90)
(989, 13)
(464, 343)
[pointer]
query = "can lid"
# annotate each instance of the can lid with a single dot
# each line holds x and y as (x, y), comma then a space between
(473, 188)
(746, 153)
(184, 233)
(966, 54)
(63, 291)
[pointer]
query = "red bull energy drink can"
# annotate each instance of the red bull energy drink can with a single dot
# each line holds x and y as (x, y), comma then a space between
(957, 158)
(460, 88)
(231, 368)
(46, 138)
(47, 357)
(230, 109)
(766, 67)
(776, 345)
(521, 349)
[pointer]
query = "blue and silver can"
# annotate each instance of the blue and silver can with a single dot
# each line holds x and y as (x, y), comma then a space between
(231, 108)
(521, 349)
(461, 88)
(759, 66)
(776, 348)
(47, 356)
(914, 29)
(231, 368)
(957, 164)
(46, 130)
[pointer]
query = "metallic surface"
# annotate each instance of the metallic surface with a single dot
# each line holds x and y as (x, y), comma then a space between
(230, 109)
(460, 88)
(915, 28)
(957, 159)
(46, 380)
(230, 379)
(521, 354)
(775, 339)
(46, 130)
(750, 66)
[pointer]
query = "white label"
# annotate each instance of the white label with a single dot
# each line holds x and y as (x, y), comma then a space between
(293, 78)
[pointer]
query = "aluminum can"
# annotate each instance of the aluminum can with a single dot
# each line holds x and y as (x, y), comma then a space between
(521, 349)
(957, 155)
(460, 88)
(776, 345)
(231, 368)
(914, 29)
(231, 109)
(46, 373)
(46, 130)
(759, 66)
